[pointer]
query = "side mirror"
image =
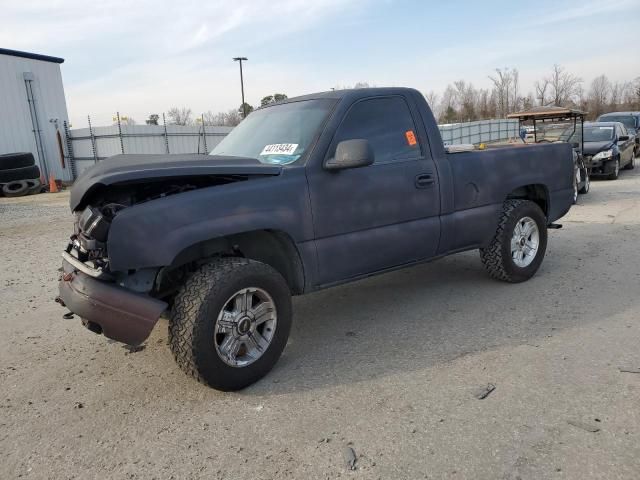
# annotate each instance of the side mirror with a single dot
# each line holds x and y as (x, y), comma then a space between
(575, 144)
(623, 138)
(351, 154)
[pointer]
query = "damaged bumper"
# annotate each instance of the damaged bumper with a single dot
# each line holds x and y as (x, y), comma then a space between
(106, 308)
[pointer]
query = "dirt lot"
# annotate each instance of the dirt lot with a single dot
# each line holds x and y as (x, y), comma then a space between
(388, 366)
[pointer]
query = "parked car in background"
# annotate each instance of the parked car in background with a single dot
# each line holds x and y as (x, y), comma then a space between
(608, 147)
(631, 120)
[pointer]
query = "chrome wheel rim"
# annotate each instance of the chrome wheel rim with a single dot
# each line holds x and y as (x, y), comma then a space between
(525, 242)
(245, 327)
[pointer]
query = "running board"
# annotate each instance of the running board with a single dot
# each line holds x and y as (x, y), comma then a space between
(555, 226)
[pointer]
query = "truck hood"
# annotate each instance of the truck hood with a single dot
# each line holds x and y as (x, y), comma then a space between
(591, 148)
(121, 169)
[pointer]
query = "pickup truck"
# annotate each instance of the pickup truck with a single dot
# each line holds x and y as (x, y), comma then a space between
(305, 194)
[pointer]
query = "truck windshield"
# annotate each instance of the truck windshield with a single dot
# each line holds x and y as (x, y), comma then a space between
(279, 134)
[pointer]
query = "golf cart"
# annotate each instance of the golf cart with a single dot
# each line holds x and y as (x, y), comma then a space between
(552, 124)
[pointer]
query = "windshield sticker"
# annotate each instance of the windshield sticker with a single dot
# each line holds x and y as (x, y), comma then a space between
(279, 149)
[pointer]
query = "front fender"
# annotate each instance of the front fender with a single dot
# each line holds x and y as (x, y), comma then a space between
(153, 233)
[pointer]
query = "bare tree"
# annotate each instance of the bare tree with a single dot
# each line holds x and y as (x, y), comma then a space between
(486, 106)
(433, 99)
(466, 99)
(542, 88)
(180, 116)
(618, 92)
(505, 83)
(529, 101)
(516, 101)
(564, 86)
(599, 95)
(448, 113)
(222, 119)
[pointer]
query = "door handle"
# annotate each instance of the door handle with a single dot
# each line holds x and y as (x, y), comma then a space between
(424, 180)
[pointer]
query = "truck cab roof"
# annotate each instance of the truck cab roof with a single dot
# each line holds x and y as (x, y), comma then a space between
(352, 94)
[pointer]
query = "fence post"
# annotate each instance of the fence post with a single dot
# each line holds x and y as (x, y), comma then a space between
(94, 147)
(70, 156)
(166, 136)
(204, 135)
(120, 132)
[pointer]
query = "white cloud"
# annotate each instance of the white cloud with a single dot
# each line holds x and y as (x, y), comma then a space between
(585, 9)
(145, 56)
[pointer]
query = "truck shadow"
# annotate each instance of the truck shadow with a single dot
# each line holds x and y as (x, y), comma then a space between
(431, 314)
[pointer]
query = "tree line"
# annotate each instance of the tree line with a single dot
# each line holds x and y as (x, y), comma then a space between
(230, 118)
(462, 102)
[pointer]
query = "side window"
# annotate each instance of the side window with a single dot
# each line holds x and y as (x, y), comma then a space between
(620, 130)
(386, 123)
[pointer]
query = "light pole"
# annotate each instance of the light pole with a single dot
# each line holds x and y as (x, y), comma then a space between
(244, 105)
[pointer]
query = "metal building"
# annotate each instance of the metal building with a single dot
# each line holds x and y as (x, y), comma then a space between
(33, 110)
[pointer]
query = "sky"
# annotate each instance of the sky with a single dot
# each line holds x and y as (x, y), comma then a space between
(140, 57)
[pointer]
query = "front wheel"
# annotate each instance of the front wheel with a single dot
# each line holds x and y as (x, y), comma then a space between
(616, 170)
(230, 322)
(519, 244)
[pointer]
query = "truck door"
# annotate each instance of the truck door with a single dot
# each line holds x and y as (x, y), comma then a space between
(383, 215)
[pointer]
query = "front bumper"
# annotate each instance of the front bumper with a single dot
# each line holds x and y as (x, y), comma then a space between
(106, 308)
(600, 167)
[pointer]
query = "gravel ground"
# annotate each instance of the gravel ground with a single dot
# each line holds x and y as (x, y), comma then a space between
(389, 366)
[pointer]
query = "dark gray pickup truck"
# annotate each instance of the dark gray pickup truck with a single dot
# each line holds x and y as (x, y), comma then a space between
(302, 195)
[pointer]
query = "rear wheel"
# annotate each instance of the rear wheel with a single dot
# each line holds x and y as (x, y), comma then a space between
(230, 322)
(632, 162)
(519, 244)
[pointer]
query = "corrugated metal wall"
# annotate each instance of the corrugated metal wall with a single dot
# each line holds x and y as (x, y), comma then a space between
(482, 131)
(109, 141)
(16, 129)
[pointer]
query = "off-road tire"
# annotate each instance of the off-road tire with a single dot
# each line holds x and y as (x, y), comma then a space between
(16, 160)
(194, 314)
(22, 173)
(15, 189)
(496, 257)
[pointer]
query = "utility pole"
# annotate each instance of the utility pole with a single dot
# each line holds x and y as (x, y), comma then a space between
(244, 105)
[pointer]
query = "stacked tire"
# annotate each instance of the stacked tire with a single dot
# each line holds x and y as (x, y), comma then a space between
(19, 175)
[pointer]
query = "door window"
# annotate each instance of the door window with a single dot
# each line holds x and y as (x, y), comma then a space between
(386, 123)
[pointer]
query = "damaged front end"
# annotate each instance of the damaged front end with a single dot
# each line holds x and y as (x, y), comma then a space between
(122, 305)
(116, 304)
